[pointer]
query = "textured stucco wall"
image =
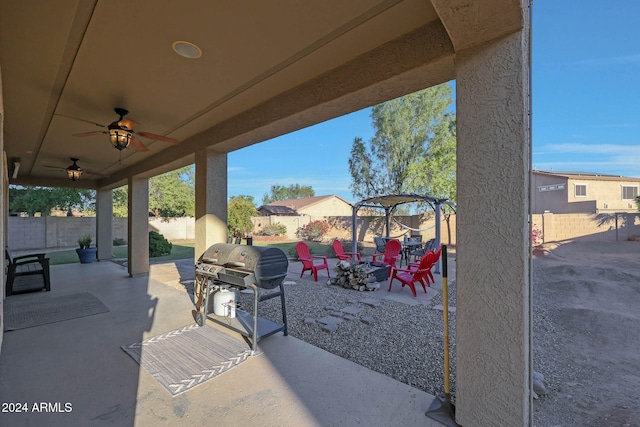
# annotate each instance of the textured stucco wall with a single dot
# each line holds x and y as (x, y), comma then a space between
(329, 207)
(492, 283)
(138, 224)
(211, 199)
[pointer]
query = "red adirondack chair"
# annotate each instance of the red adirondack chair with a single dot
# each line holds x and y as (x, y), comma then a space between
(391, 255)
(429, 276)
(309, 261)
(409, 277)
(341, 254)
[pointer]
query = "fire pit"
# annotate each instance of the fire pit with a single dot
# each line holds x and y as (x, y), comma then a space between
(361, 276)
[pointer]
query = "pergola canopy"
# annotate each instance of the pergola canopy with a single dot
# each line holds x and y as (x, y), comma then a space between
(389, 202)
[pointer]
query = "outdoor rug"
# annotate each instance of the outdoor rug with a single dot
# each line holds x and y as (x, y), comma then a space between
(21, 313)
(187, 357)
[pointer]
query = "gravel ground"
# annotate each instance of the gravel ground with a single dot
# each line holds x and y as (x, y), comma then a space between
(404, 342)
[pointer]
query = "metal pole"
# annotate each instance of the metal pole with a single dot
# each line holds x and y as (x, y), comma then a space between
(387, 212)
(354, 216)
(444, 411)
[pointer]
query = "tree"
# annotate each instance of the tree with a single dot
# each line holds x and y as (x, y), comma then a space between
(294, 191)
(412, 133)
(435, 173)
(121, 202)
(239, 212)
(172, 194)
(44, 199)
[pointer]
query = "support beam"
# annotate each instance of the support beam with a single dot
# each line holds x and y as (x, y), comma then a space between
(492, 280)
(138, 233)
(211, 199)
(104, 224)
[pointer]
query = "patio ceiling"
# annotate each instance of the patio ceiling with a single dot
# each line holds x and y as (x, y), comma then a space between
(266, 69)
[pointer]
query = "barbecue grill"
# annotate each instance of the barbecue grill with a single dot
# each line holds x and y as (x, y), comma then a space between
(225, 267)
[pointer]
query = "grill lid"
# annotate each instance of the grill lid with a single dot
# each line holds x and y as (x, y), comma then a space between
(268, 265)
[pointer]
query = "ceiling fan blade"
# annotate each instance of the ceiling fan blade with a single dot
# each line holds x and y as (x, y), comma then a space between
(81, 120)
(138, 145)
(158, 137)
(53, 167)
(129, 124)
(97, 132)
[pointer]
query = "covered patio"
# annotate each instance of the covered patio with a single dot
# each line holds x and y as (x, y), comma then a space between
(80, 362)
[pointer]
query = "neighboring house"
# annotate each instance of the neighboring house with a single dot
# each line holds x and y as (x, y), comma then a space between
(331, 205)
(582, 192)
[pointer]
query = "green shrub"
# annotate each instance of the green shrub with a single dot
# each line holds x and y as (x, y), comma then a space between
(276, 229)
(119, 241)
(158, 245)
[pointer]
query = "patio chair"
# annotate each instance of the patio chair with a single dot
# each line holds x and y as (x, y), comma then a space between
(309, 261)
(27, 273)
(429, 276)
(409, 277)
(342, 255)
(391, 255)
(380, 242)
(418, 253)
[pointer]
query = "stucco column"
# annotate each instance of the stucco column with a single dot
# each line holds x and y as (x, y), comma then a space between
(104, 224)
(211, 199)
(492, 260)
(138, 220)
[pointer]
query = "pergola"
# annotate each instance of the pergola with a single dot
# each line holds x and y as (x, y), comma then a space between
(389, 202)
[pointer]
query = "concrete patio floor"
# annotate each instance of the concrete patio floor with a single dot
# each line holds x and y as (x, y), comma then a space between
(79, 362)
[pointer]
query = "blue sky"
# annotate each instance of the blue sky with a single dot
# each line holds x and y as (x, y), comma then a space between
(586, 107)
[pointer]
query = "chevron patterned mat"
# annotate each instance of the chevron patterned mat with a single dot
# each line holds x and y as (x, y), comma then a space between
(187, 357)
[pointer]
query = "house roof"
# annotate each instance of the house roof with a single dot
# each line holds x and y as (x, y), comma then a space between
(594, 176)
(277, 210)
(297, 204)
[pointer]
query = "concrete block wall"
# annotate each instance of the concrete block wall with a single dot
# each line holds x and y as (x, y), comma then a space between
(367, 226)
(174, 228)
(588, 227)
(26, 233)
(55, 232)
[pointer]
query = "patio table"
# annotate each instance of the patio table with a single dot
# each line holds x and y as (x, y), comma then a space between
(407, 247)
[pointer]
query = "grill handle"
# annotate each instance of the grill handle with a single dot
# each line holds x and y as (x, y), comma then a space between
(235, 264)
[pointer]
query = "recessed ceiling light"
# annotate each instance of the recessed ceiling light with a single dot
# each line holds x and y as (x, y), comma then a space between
(186, 49)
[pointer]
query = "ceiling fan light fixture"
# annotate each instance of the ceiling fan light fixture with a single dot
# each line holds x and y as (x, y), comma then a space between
(119, 137)
(186, 49)
(74, 171)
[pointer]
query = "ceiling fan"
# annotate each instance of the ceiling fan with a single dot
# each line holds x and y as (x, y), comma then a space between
(121, 133)
(74, 171)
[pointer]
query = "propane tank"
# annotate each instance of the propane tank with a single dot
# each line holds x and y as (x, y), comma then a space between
(224, 303)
